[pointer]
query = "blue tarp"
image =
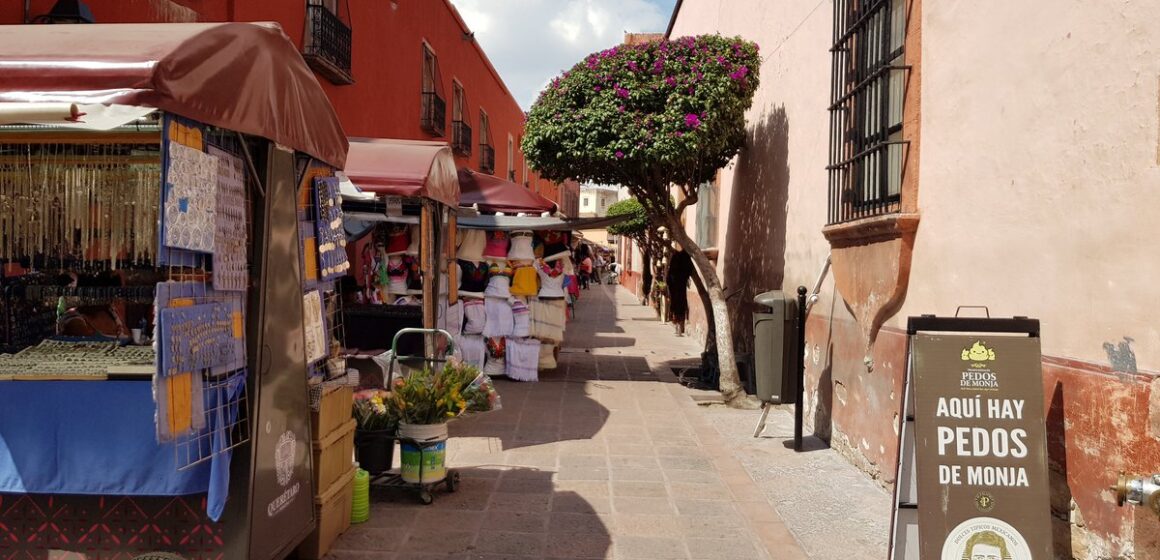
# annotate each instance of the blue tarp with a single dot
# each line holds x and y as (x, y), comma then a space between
(91, 437)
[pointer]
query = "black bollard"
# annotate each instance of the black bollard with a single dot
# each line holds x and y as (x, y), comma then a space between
(799, 408)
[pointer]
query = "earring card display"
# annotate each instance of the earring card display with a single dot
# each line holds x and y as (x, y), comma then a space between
(331, 234)
(196, 338)
(314, 325)
(230, 266)
(190, 199)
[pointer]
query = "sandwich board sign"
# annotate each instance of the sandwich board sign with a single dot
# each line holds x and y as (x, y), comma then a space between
(973, 481)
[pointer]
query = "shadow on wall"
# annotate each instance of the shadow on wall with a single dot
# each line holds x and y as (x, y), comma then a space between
(1061, 506)
(755, 257)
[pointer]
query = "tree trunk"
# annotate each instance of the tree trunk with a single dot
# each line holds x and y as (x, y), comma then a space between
(707, 305)
(730, 381)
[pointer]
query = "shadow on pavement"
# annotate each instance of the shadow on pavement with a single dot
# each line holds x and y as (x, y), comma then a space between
(495, 513)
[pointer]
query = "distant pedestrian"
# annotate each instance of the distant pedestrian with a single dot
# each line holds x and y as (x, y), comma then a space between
(677, 281)
(585, 272)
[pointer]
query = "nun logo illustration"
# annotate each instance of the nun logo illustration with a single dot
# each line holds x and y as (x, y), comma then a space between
(985, 538)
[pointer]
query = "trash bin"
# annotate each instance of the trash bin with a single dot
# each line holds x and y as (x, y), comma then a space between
(776, 356)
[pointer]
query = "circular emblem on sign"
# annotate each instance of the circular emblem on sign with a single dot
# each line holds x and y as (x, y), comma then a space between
(985, 502)
(985, 538)
(284, 457)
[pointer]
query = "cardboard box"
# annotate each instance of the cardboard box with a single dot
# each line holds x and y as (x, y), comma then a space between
(334, 410)
(332, 517)
(334, 455)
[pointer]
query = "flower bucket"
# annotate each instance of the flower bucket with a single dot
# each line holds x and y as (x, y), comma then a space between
(374, 450)
(426, 465)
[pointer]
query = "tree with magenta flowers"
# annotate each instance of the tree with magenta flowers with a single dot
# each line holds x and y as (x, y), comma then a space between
(655, 118)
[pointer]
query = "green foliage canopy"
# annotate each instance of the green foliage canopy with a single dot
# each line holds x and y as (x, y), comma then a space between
(645, 116)
(636, 226)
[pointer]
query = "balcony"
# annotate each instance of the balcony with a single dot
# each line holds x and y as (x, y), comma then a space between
(434, 118)
(327, 45)
(461, 138)
(486, 158)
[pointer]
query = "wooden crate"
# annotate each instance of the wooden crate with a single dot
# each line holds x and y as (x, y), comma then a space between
(332, 517)
(334, 410)
(334, 455)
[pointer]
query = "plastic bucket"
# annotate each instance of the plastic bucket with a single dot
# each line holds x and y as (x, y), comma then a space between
(374, 449)
(424, 462)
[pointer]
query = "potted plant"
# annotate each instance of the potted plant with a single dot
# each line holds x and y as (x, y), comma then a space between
(423, 402)
(374, 436)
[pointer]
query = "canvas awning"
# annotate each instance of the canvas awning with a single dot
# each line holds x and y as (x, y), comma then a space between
(403, 168)
(493, 194)
(247, 77)
(359, 221)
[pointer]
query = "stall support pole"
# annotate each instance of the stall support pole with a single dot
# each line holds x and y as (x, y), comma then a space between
(428, 264)
(452, 239)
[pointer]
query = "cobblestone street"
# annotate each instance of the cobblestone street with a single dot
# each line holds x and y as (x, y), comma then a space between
(609, 457)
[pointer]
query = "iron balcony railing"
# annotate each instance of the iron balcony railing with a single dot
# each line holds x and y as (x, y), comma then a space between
(486, 158)
(327, 48)
(461, 138)
(434, 118)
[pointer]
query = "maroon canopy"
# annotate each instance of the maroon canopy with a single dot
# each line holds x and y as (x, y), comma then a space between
(246, 77)
(403, 168)
(493, 194)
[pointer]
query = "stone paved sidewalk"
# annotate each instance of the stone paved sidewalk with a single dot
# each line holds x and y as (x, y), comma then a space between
(608, 457)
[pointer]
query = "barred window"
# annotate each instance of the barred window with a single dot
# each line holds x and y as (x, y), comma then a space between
(868, 81)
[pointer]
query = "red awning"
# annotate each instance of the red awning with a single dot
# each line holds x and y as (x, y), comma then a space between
(493, 194)
(403, 168)
(246, 77)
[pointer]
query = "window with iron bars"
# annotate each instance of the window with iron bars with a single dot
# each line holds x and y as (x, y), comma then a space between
(460, 130)
(486, 150)
(868, 81)
(433, 119)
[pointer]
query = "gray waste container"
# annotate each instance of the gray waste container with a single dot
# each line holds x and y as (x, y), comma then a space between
(776, 358)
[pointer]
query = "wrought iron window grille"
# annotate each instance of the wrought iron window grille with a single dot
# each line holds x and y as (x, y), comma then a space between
(868, 83)
(327, 48)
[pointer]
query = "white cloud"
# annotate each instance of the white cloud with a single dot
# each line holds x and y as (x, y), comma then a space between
(530, 41)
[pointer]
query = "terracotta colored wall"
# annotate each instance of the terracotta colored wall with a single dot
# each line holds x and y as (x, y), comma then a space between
(386, 63)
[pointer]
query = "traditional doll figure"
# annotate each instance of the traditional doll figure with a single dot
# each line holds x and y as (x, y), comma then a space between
(555, 245)
(499, 279)
(521, 257)
(472, 271)
(397, 273)
(551, 279)
(496, 249)
(382, 281)
(398, 239)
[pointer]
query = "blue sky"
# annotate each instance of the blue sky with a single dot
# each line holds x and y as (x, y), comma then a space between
(530, 41)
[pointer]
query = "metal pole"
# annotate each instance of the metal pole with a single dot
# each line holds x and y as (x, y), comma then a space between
(799, 407)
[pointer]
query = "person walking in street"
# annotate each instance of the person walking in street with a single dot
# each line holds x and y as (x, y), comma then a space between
(677, 281)
(585, 271)
(598, 269)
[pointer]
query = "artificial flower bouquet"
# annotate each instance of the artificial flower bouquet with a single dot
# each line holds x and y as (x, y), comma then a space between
(433, 396)
(371, 410)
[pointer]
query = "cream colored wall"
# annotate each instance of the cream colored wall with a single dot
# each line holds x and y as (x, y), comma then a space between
(1040, 174)
(794, 40)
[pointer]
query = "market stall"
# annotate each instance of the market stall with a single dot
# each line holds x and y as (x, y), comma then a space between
(153, 393)
(400, 209)
(515, 272)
